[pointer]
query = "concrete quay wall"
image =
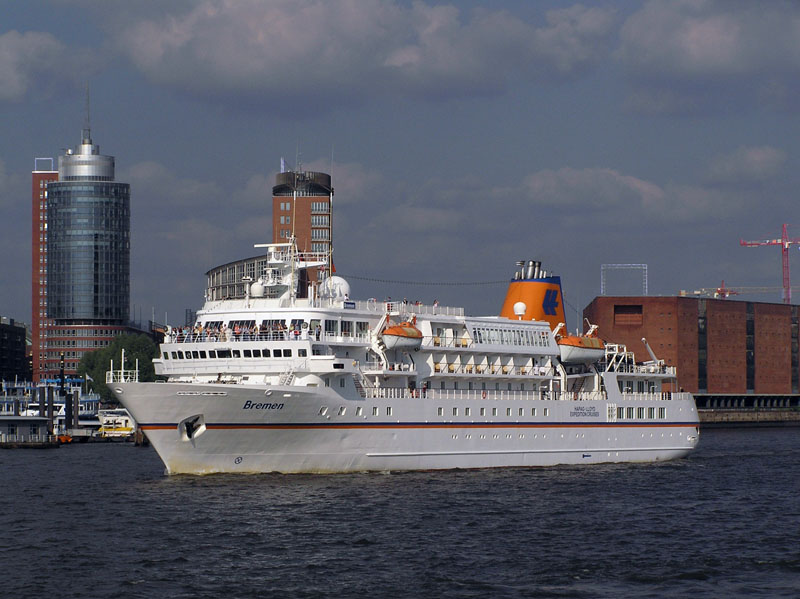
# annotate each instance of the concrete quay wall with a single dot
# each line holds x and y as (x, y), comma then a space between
(728, 417)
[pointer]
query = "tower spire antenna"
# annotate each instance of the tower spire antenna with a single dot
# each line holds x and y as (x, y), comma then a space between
(86, 134)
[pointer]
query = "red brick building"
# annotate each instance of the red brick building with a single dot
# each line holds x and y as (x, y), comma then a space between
(719, 346)
(39, 321)
(301, 206)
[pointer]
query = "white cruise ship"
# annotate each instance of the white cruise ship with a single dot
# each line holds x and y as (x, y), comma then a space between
(282, 375)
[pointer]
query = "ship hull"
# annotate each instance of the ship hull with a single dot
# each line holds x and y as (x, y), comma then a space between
(250, 429)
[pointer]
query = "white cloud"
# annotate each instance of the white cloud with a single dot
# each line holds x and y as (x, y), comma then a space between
(691, 55)
(37, 63)
(290, 54)
(747, 164)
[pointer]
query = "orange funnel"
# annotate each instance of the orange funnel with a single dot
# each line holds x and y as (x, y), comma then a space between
(542, 298)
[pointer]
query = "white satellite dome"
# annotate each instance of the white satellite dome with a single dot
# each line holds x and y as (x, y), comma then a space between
(335, 287)
(257, 289)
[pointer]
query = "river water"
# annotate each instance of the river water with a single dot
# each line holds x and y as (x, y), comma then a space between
(103, 520)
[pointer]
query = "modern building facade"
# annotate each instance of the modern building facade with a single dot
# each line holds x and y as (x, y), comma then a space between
(719, 346)
(87, 260)
(41, 177)
(13, 358)
(301, 206)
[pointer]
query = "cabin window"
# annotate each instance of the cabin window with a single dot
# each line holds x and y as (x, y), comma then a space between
(440, 411)
(202, 354)
(651, 412)
(314, 328)
(256, 353)
(236, 353)
(323, 410)
(640, 386)
(331, 328)
(508, 411)
(533, 411)
(388, 410)
(195, 354)
(302, 353)
(165, 355)
(629, 413)
(180, 355)
(441, 384)
(466, 411)
(247, 353)
(374, 410)
(640, 412)
(547, 411)
(265, 353)
(362, 328)
(455, 411)
(287, 353)
(662, 413)
(212, 353)
(494, 411)
(620, 413)
(522, 411)
(483, 411)
(359, 411)
(342, 410)
(347, 328)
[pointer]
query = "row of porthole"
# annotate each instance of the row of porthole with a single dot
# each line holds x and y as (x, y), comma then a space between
(323, 411)
(468, 411)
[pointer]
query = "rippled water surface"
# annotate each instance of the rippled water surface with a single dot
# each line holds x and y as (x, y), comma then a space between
(104, 520)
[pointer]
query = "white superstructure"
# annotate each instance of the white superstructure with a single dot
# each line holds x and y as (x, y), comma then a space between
(270, 381)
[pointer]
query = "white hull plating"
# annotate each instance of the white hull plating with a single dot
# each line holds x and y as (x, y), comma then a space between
(313, 430)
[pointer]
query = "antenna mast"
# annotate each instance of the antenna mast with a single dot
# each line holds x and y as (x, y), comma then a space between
(86, 134)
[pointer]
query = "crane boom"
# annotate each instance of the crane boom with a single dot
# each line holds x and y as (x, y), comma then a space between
(785, 242)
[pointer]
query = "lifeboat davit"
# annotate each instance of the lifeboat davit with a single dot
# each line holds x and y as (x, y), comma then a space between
(402, 336)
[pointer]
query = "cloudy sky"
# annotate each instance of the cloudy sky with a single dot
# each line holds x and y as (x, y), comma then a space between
(461, 137)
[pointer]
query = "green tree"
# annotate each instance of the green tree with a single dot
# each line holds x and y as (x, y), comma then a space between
(96, 363)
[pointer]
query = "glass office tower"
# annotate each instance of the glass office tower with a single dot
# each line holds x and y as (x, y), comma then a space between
(88, 243)
(88, 252)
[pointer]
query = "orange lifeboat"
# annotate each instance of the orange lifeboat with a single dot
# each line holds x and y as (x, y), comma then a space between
(402, 336)
(580, 349)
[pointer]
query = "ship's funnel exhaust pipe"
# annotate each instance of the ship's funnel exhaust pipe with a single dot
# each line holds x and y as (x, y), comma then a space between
(530, 270)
